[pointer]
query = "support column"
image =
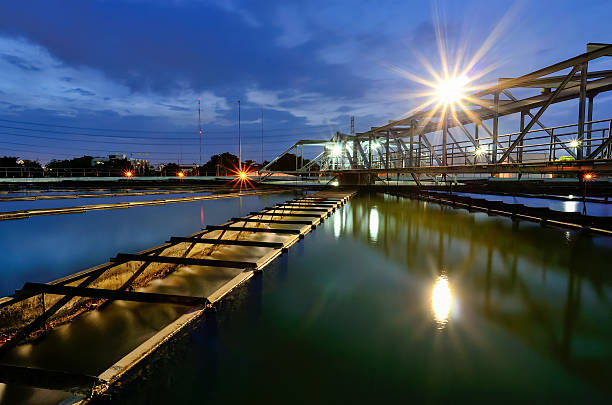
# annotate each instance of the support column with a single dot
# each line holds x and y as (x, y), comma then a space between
(387, 154)
(476, 141)
(520, 152)
(370, 150)
(412, 133)
(581, 108)
(495, 125)
(444, 134)
(589, 125)
(419, 155)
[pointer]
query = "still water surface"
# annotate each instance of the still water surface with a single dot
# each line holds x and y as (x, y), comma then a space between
(44, 248)
(388, 300)
(398, 300)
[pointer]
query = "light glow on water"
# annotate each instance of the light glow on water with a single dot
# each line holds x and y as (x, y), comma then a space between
(374, 224)
(337, 225)
(570, 206)
(441, 301)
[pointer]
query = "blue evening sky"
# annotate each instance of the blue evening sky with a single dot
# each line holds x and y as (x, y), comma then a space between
(129, 72)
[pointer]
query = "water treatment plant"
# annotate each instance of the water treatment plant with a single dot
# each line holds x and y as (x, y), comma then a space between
(422, 218)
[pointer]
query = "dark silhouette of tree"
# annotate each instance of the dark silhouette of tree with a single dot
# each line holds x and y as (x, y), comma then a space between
(8, 161)
(10, 167)
(170, 169)
(76, 163)
(224, 164)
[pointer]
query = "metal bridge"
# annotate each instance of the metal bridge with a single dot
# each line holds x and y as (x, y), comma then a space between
(467, 141)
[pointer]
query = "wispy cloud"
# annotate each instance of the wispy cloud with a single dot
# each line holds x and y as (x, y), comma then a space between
(34, 78)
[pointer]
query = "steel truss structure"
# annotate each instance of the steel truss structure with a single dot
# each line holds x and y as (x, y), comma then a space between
(470, 141)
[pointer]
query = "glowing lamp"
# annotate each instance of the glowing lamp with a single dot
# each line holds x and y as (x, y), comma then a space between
(479, 151)
(574, 143)
(452, 90)
(588, 176)
(243, 175)
(128, 174)
(180, 174)
(336, 150)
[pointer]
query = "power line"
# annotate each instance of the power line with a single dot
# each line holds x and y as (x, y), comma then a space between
(97, 136)
(152, 131)
(229, 143)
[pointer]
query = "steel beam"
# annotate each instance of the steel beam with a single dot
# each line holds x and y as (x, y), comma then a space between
(75, 383)
(115, 295)
(187, 261)
(231, 242)
(293, 208)
(252, 229)
(537, 116)
(281, 214)
(581, 108)
(549, 131)
(273, 221)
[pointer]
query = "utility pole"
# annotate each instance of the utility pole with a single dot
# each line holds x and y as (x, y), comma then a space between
(239, 145)
(200, 130)
(353, 125)
(262, 142)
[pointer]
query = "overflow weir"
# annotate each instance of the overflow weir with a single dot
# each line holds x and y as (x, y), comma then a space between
(219, 257)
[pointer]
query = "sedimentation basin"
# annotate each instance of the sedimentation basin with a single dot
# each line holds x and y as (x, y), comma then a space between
(390, 299)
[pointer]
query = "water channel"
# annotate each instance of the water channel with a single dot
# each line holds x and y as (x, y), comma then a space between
(388, 300)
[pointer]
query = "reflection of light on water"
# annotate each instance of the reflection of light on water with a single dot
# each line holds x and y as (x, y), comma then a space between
(24, 350)
(374, 224)
(570, 206)
(337, 225)
(441, 299)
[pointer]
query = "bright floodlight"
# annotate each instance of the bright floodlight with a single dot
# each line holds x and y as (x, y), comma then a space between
(452, 90)
(336, 150)
(243, 175)
(574, 143)
(479, 151)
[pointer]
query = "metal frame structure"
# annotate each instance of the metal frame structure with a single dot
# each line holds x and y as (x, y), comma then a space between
(407, 145)
(80, 286)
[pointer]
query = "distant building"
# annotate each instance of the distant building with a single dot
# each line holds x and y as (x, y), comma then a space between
(98, 160)
(140, 165)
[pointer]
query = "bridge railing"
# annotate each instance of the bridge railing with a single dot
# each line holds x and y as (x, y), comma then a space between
(551, 144)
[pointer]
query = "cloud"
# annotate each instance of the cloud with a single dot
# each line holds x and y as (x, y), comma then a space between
(320, 109)
(230, 6)
(55, 86)
(293, 28)
(20, 63)
(82, 92)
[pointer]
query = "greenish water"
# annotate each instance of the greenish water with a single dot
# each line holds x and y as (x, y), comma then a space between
(389, 300)
(392, 300)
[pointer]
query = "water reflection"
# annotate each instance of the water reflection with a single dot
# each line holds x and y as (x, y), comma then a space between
(337, 225)
(528, 280)
(570, 206)
(374, 224)
(441, 299)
